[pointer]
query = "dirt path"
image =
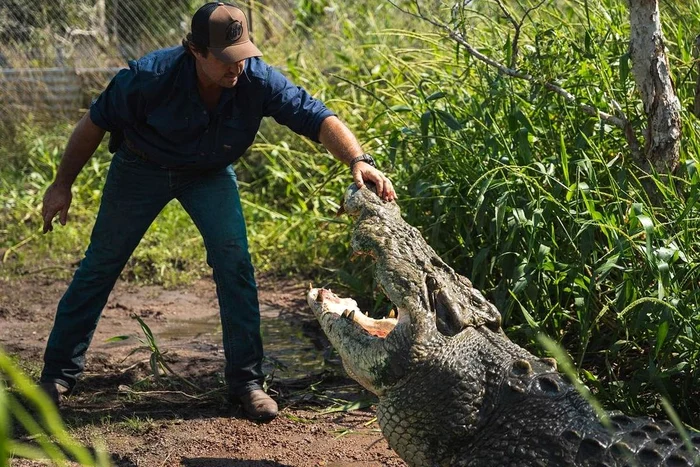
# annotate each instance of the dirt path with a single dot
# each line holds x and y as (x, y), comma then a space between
(166, 423)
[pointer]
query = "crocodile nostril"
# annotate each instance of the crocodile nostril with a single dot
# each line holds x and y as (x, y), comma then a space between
(548, 384)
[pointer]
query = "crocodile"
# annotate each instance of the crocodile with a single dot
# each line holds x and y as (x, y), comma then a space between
(452, 389)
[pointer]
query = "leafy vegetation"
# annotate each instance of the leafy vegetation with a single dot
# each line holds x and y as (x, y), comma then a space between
(50, 438)
(536, 202)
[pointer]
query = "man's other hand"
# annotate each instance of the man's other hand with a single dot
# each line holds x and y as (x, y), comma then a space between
(57, 199)
(362, 172)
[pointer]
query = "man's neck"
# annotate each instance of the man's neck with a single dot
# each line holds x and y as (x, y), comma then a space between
(209, 91)
(204, 83)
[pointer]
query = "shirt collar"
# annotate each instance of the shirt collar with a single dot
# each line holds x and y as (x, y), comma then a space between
(186, 75)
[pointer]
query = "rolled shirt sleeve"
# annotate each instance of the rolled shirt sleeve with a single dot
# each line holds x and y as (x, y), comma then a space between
(292, 106)
(117, 107)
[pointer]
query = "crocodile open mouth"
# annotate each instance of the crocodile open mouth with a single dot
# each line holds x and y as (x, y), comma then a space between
(346, 308)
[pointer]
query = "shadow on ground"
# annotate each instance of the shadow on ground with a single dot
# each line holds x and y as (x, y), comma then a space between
(213, 462)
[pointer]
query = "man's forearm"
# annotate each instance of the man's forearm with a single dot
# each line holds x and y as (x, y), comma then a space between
(81, 146)
(339, 140)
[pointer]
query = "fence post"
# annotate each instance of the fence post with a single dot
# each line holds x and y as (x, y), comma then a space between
(115, 24)
(100, 17)
(250, 16)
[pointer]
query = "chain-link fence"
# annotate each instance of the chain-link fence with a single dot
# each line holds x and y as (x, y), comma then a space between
(58, 54)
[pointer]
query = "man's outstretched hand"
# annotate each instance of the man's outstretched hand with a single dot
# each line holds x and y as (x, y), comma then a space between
(57, 199)
(362, 172)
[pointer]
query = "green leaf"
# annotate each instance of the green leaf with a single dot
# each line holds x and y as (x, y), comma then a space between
(564, 158)
(400, 108)
(609, 264)
(4, 425)
(648, 226)
(449, 120)
(425, 123)
(154, 365)
(117, 338)
(624, 67)
(480, 257)
(524, 146)
(435, 96)
(350, 406)
(661, 334)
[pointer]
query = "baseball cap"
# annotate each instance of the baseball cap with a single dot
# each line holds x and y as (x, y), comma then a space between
(223, 29)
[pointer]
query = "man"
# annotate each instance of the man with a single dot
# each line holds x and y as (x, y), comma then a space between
(178, 118)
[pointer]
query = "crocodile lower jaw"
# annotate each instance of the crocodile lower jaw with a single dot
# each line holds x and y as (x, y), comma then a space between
(334, 307)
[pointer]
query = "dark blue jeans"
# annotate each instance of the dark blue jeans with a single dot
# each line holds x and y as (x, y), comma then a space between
(135, 192)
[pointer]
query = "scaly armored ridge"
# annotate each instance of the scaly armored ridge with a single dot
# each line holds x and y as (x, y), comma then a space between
(453, 389)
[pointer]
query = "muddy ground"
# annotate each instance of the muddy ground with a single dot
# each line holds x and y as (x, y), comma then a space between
(325, 419)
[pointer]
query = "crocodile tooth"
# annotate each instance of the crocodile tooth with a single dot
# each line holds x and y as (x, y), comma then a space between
(392, 313)
(349, 314)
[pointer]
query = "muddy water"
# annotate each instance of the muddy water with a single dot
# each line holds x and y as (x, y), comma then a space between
(289, 354)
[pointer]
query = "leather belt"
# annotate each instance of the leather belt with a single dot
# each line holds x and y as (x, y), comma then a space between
(130, 146)
(137, 152)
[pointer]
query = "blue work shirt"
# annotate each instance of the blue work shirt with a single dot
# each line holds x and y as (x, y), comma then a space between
(156, 104)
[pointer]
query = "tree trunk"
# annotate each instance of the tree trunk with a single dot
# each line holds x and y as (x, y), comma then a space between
(652, 75)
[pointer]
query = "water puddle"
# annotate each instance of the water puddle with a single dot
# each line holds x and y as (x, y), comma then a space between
(289, 353)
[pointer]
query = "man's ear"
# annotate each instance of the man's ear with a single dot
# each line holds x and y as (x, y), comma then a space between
(195, 52)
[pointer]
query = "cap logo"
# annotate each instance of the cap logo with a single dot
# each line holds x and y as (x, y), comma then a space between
(234, 31)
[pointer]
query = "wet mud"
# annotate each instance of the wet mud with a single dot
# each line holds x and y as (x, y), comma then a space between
(184, 418)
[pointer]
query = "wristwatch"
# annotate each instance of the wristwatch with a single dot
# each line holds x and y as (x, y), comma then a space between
(363, 158)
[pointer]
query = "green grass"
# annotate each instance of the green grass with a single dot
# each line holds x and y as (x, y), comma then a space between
(30, 407)
(539, 204)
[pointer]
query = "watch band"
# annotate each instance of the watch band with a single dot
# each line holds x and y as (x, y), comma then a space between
(363, 158)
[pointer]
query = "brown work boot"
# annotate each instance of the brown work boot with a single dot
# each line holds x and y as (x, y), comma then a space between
(258, 406)
(55, 391)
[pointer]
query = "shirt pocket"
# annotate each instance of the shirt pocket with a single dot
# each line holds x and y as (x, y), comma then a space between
(236, 136)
